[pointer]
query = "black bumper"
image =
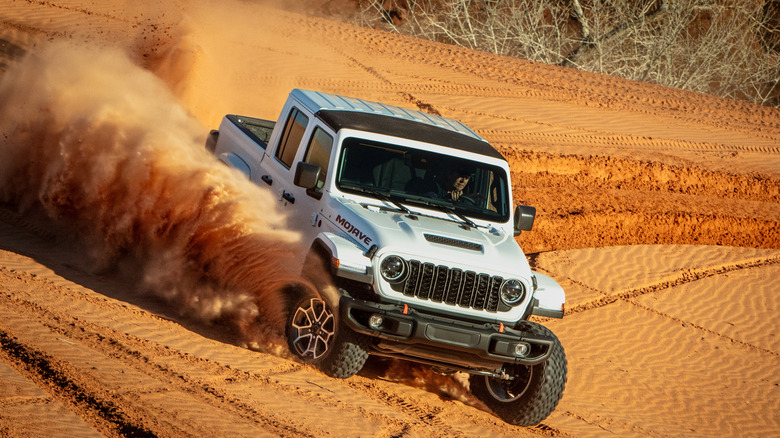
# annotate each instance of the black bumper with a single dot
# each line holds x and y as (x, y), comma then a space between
(440, 340)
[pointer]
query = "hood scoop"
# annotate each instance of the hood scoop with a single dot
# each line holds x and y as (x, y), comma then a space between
(441, 240)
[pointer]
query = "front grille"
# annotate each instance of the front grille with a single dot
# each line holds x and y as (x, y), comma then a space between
(452, 286)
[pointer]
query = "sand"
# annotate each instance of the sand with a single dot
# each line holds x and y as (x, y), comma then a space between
(658, 211)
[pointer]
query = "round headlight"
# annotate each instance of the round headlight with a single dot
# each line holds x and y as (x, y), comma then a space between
(512, 292)
(393, 268)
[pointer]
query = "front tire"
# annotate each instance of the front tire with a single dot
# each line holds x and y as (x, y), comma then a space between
(315, 336)
(534, 391)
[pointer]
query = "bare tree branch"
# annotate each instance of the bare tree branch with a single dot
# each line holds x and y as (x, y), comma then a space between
(721, 47)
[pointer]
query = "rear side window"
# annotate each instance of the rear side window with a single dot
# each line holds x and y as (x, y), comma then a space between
(291, 137)
(319, 153)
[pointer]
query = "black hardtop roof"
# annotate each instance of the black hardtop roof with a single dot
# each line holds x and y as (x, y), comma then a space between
(399, 127)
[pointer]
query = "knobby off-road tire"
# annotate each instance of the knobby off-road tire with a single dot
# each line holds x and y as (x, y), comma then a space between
(316, 337)
(533, 394)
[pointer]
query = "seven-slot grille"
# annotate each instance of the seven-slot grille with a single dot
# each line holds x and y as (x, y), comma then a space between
(452, 286)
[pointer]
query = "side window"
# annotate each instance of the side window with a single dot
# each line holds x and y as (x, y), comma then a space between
(291, 137)
(318, 153)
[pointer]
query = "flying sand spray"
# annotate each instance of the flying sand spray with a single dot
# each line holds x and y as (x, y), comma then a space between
(104, 148)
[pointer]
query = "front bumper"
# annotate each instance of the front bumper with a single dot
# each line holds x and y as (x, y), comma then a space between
(406, 333)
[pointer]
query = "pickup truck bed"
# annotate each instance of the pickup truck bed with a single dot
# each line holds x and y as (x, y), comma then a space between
(258, 130)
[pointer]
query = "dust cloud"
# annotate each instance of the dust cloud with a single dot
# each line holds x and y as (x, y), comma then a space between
(454, 386)
(102, 146)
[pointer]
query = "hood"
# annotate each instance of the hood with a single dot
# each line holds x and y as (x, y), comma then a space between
(424, 237)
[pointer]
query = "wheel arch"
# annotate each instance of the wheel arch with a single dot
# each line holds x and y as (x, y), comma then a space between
(345, 258)
(320, 249)
(235, 162)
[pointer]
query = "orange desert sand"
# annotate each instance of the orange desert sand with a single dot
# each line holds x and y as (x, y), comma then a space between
(658, 211)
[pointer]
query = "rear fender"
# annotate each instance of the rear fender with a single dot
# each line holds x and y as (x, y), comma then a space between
(234, 161)
(347, 259)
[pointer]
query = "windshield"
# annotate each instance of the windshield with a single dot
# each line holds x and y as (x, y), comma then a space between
(417, 177)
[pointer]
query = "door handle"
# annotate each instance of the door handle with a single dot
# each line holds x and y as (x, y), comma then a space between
(267, 179)
(288, 197)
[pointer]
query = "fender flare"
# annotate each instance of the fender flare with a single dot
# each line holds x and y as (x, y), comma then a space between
(347, 260)
(549, 298)
(235, 162)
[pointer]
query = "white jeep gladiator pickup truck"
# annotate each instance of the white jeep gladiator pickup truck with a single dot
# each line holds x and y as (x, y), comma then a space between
(412, 216)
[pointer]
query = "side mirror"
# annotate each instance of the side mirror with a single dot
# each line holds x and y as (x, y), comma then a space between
(306, 175)
(524, 218)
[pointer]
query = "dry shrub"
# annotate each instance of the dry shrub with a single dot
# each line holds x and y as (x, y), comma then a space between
(728, 49)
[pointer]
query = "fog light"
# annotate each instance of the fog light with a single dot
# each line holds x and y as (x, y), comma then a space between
(375, 321)
(522, 350)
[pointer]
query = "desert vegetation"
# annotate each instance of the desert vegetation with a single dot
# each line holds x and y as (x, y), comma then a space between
(725, 48)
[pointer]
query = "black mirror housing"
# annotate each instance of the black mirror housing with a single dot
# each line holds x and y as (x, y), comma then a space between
(524, 218)
(307, 175)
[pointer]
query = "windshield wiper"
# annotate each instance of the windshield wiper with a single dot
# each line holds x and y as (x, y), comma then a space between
(460, 216)
(447, 208)
(381, 196)
(395, 201)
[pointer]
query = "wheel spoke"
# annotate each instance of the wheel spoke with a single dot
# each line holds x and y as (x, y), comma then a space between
(303, 331)
(311, 348)
(314, 329)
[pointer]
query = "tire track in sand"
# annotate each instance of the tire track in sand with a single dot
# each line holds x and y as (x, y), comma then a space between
(405, 95)
(116, 385)
(680, 278)
(52, 373)
(618, 142)
(561, 84)
(210, 380)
